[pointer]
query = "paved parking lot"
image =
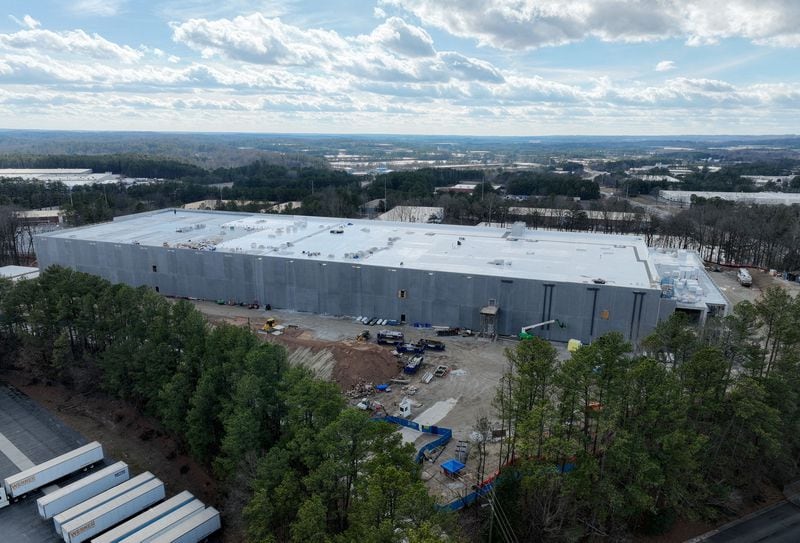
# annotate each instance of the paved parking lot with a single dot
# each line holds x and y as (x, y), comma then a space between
(38, 437)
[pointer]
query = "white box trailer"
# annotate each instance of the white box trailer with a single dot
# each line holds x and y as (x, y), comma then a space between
(81, 490)
(45, 473)
(104, 497)
(150, 532)
(193, 529)
(109, 514)
(147, 518)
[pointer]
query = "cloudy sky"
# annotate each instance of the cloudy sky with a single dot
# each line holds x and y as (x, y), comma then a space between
(487, 67)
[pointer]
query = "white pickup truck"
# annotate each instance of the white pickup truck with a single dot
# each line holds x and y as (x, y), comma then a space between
(744, 277)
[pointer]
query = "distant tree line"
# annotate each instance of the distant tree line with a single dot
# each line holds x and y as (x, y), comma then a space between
(296, 463)
(728, 232)
(549, 184)
(611, 443)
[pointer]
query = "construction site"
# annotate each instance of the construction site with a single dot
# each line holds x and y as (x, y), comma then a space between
(377, 377)
(411, 321)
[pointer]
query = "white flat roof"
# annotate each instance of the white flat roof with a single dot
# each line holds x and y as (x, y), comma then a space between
(773, 198)
(14, 272)
(20, 172)
(542, 255)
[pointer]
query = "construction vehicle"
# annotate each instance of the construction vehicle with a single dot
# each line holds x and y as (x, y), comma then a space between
(412, 348)
(390, 337)
(269, 326)
(431, 344)
(524, 332)
(413, 364)
(363, 336)
(369, 405)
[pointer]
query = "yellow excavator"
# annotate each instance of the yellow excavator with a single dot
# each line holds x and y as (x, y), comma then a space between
(269, 326)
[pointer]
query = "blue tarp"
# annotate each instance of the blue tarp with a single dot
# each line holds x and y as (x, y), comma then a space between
(452, 466)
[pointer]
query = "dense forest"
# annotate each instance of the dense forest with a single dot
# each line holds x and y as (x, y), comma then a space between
(549, 184)
(610, 443)
(298, 464)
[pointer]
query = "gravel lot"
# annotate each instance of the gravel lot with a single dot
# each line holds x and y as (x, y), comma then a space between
(735, 293)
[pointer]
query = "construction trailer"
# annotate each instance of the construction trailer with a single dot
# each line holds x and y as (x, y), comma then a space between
(130, 527)
(441, 275)
(104, 497)
(81, 490)
(192, 529)
(43, 474)
(97, 520)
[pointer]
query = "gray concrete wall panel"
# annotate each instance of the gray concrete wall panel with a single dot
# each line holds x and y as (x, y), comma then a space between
(345, 288)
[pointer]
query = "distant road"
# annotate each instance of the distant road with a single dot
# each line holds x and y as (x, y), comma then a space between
(776, 524)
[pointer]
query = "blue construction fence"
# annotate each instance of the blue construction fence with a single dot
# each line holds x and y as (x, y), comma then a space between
(444, 434)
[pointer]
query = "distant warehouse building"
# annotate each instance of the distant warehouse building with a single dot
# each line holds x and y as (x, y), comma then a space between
(757, 198)
(495, 280)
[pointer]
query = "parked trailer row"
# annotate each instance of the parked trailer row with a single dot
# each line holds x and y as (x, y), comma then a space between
(84, 507)
(81, 490)
(102, 518)
(147, 518)
(165, 523)
(31, 479)
(193, 529)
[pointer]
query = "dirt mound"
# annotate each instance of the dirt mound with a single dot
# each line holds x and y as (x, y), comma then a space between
(349, 362)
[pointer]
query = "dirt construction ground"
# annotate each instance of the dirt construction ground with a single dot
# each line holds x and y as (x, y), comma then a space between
(456, 401)
(735, 293)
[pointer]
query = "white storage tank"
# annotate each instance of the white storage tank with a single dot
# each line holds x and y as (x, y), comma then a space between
(52, 470)
(147, 518)
(73, 512)
(113, 512)
(79, 491)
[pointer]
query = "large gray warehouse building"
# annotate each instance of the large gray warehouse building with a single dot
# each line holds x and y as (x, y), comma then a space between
(475, 277)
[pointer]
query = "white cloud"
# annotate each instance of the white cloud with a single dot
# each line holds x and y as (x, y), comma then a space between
(99, 8)
(378, 13)
(30, 22)
(257, 39)
(665, 66)
(399, 37)
(26, 22)
(71, 41)
(525, 24)
(393, 51)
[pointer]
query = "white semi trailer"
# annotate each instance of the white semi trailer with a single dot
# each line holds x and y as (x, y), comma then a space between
(139, 522)
(19, 485)
(104, 497)
(165, 523)
(192, 530)
(102, 518)
(62, 499)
